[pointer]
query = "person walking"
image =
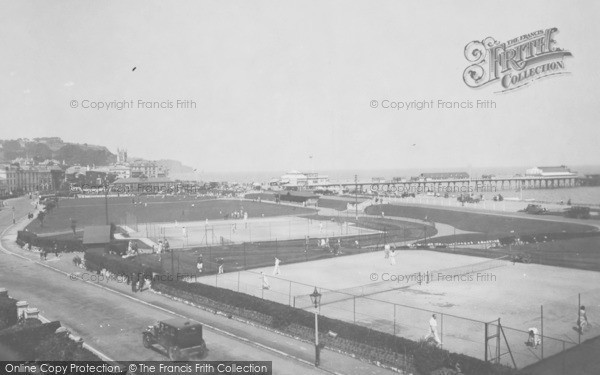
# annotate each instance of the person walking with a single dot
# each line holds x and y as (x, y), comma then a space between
(265, 281)
(276, 270)
(432, 332)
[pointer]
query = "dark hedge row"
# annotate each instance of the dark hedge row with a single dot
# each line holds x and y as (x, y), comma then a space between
(38, 341)
(98, 259)
(8, 312)
(25, 238)
(64, 245)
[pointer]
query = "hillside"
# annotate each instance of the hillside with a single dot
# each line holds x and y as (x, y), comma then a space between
(41, 149)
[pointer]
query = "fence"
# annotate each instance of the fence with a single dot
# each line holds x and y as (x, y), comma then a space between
(491, 341)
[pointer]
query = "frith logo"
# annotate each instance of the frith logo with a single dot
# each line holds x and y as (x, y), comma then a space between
(515, 63)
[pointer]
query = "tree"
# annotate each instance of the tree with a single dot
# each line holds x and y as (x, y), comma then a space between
(41, 215)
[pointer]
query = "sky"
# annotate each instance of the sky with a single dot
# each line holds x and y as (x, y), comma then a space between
(276, 82)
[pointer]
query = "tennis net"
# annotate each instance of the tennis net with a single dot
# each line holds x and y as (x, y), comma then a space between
(332, 296)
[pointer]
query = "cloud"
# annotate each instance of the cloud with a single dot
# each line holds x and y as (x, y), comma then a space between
(68, 84)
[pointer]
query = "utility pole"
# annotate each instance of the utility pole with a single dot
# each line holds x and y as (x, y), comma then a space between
(106, 200)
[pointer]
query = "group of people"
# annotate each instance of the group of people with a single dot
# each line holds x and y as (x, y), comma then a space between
(44, 251)
(163, 246)
(241, 214)
(325, 244)
(132, 249)
(200, 264)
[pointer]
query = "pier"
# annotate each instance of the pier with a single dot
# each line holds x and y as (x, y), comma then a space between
(463, 184)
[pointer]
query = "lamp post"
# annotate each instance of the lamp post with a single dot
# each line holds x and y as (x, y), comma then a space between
(315, 298)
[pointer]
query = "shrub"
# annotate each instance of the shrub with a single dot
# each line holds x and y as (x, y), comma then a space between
(23, 338)
(8, 312)
(64, 245)
(59, 347)
(97, 259)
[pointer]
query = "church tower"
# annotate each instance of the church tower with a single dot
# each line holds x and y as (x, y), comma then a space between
(121, 156)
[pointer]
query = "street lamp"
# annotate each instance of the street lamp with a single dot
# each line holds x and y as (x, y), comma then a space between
(315, 298)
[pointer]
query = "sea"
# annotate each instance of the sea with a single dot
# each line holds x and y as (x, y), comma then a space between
(589, 195)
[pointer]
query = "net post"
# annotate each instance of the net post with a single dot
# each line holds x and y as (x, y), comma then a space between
(578, 319)
(238, 286)
(485, 347)
(442, 330)
(354, 307)
(394, 319)
(290, 294)
(542, 327)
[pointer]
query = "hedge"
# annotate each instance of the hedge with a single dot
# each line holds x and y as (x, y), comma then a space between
(8, 312)
(97, 259)
(65, 245)
(25, 237)
(23, 338)
(38, 341)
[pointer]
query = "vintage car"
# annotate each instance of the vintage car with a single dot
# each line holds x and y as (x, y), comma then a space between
(534, 209)
(180, 338)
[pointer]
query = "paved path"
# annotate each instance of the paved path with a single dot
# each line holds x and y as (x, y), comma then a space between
(110, 318)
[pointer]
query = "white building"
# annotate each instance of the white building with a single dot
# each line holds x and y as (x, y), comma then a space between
(560, 171)
(299, 179)
(121, 171)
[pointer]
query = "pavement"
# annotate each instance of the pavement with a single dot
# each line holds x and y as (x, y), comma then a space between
(110, 317)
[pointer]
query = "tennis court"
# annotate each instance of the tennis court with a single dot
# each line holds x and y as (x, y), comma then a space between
(216, 232)
(464, 291)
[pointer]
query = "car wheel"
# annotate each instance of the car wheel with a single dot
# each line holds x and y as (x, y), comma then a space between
(146, 341)
(174, 353)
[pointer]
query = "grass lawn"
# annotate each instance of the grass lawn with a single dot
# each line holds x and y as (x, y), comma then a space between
(91, 211)
(492, 226)
(580, 253)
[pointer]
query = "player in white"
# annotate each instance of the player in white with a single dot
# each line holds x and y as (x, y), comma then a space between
(200, 264)
(534, 339)
(582, 320)
(320, 227)
(265, 281)
(386, 251)
(432, 332)
(392, 256)
(276, 270)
